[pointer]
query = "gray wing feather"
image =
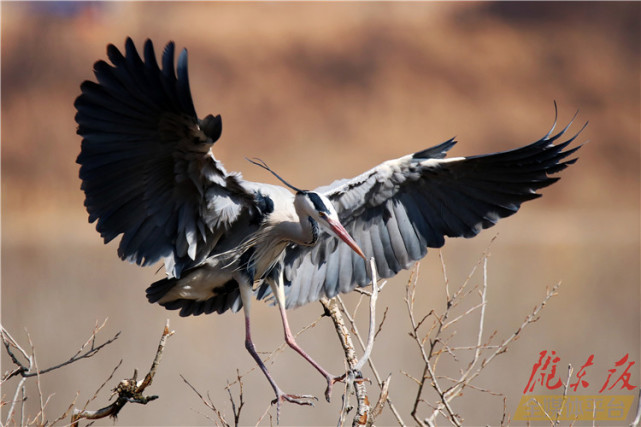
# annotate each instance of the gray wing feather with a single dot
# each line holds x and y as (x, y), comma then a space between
(146, 168)
(402, 207)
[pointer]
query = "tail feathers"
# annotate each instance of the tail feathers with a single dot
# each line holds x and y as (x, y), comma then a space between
(159, 289)
(226, 298)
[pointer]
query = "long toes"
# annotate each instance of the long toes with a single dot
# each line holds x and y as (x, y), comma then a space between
(304, 399)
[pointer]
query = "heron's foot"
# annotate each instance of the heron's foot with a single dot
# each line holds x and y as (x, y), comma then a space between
(304, 400)
(330, 383)
(358, 378)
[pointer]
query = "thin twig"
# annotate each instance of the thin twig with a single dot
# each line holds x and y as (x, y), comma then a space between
(67, 412)
(637, 418)
(41, 413)
(95, 395)
(28, 371)
(38, 383)
(264, 415)
(428, 371)
(372, 318)
(8, 339)
(345, 405)
(463, 315)
(241, 399)
(23, 393)
(380, 404)
(380, 325)
(505, 420)
(208, 404)
(14, 401)
(479, 341)
(564, 396)
(531, 318)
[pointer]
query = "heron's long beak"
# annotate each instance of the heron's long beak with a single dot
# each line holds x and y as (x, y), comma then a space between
(340, 231)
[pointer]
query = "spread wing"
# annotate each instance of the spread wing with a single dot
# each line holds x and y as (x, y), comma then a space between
(400, 208)
(146, 166)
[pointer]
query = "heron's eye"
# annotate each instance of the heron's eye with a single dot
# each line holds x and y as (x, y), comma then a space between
(322, 214)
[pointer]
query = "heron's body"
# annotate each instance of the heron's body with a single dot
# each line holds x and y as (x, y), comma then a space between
(253, 247)
(148, 173)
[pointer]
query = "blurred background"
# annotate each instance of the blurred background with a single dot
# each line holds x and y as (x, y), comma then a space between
(321, 92)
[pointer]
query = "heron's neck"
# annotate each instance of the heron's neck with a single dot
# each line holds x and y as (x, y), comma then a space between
(310, 231)
(304, 232)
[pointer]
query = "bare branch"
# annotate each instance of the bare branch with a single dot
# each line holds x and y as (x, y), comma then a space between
(354, 327)
(154, 365)
(363, 413)
(350, 355)
(28, 371)
(128, 390)
(434, 343)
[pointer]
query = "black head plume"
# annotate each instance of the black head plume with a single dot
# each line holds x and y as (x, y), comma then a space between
(318, 203)
(262, 164)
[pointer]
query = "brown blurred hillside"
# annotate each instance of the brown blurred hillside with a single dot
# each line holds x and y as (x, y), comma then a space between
(321, 92)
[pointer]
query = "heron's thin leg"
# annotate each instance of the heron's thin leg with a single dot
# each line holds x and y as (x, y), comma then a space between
(246, 296)
(279, 293)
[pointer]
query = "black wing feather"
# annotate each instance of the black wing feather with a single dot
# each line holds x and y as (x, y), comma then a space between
(145, 162)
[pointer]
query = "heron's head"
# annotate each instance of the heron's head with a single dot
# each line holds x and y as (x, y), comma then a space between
(319, 208)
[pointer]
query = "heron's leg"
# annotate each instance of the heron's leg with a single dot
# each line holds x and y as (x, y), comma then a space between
(246, 295)
(278, 290)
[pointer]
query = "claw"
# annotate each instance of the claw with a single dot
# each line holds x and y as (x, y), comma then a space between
(304, 400)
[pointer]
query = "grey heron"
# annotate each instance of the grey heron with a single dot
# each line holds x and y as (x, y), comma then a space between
(149, 174)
